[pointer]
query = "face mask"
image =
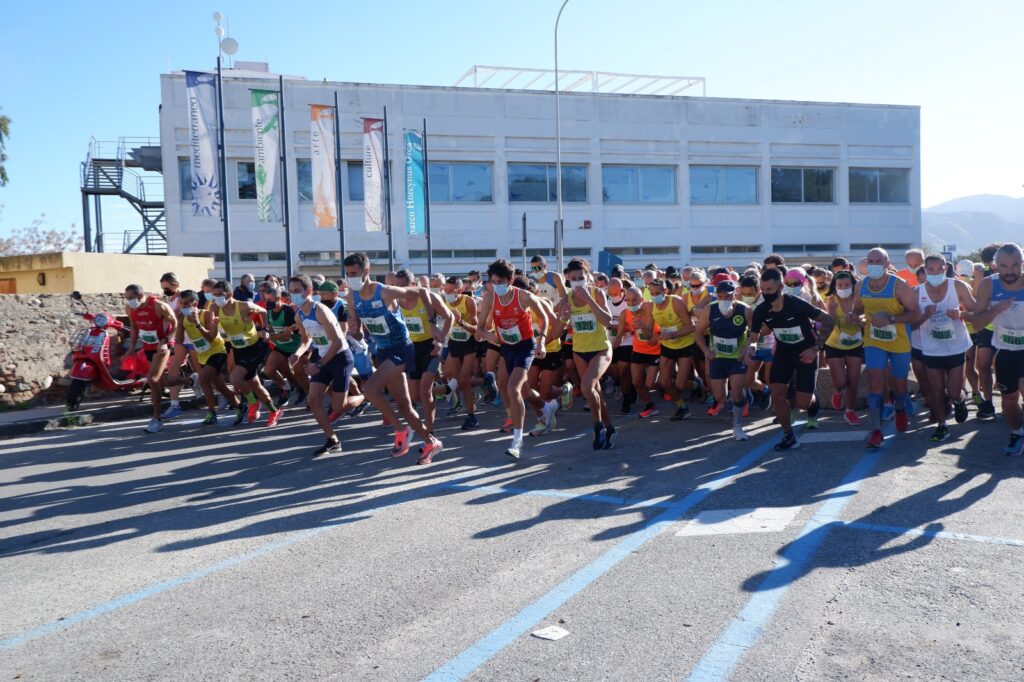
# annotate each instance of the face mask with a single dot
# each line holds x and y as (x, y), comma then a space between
(500, 289)
(794, 291)
(538, 272)
(634, 308)
(749, 300)
(185, 312)
(844, 293)
(936, 280)
(724, 306)
(329, 302)
(354, 283)
(475, 285)
(250, 286)
(578, 283)
(270, 304)
(220, 300)
(638, 283)
(451, 298)
(168, 292)
(875, 271)
(133, 302)
(298, 299)
(315, 298)
(770, 298)
(659, 299)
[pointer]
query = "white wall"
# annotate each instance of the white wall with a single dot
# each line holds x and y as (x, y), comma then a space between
(504, 126)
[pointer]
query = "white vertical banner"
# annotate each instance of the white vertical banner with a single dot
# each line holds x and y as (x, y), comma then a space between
(266, 143)
(201, 92)
(373, 174)
(321, 144)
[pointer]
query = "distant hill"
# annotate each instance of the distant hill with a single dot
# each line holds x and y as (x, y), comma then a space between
(974, 221)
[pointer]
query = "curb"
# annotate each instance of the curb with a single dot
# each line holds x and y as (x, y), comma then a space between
(82, 418)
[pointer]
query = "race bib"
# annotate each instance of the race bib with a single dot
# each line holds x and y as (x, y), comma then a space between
(725, 346)
(414, 325)
(765, 342)
(377, 326)
(149, 336)
(583, 323)
(1012, 337)
(670, 330)
(510, 335)
(789, 334)
(321, 341)
(459, 334)
(237, 340)
(884, 334)
(942, 331)
(850, 340)
(200, 343)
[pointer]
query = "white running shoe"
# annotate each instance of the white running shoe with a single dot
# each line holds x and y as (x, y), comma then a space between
(170, 413)
(197, 388)
(154, 425)
(515, 448)
(739, 434)
(548, 413)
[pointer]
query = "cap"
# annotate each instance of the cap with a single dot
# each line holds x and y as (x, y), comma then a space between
(796, 274)
(671, 271)
(725, 285)
(721, 277)
(329, 286)
(964, 267)
(698, 274)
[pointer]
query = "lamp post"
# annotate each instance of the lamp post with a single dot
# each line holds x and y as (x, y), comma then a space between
(225, 46)
(559, 231)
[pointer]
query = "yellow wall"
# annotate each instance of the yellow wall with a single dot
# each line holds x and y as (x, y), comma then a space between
(94, 273)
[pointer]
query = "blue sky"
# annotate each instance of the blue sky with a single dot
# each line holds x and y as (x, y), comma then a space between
(71, 70)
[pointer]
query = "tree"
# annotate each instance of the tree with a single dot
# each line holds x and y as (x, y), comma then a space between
(40, 237)
(5, 132)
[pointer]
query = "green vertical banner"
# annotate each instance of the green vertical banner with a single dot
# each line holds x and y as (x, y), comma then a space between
(415, 182)
(267, 153)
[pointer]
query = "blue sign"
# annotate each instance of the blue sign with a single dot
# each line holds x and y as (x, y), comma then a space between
(415, 183)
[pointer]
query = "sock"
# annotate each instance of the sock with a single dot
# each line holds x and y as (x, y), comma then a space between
(250, 398)
(517, 434)
(175, 403)
(875, 410)
(680, 403)
(737, 413)
(900, 402)
(813, 408)
(453, 384)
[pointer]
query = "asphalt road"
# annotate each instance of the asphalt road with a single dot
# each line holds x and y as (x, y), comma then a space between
(223, 553)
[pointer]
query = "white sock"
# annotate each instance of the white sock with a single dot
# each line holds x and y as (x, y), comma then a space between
(453, 384)
(517, 434)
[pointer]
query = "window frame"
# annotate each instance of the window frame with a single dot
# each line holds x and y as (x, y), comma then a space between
(451, 181)
(674, 201)
(725, 167)
(550, 190)
(803, 185)
(877, 171)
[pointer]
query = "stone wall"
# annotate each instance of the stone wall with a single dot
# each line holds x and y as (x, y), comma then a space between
(34, 333)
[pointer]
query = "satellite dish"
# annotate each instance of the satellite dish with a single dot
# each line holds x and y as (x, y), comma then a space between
(229, 45)
(217, 16)
(219, 31)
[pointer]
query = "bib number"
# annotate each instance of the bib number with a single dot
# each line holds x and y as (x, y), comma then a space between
(725, 347)
(850, 340)
(942, 331)
(583, 323)
(510, 335)
(459, 334)
(884, 334)
(149, 336)
(790, 335)
(200, 344)
(237, 340)
(414, 325)
(1012, 337)
(377, 326)
(321, 341)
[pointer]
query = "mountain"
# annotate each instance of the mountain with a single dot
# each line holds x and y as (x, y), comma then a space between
(1008, 208)
(969, 230)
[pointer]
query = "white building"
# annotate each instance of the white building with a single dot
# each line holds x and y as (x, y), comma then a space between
(668, 179)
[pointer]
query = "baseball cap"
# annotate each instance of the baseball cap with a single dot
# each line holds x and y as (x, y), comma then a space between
(964, 268)
(726, 285)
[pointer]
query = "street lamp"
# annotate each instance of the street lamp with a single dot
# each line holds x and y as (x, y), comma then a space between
(559, 232)
(225, 46)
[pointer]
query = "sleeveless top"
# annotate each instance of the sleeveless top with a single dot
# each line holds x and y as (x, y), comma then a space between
(844, 336)
(893, 338)
(546, 287)
(643, 344)
(204, 349)
(150, 326)
(588, 335)
(941, 335)
(729, 331)
(669, 321)
(316, 331)
(417, 321)
(458, 332)
(1008, 326)
(241, 334)
(554, 343)
(618, 310)
(276, 320)
(511, 321)
(386, 328)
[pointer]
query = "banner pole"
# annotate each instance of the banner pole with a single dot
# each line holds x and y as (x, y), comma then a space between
(222, 181)
(426, 201)
(337, 183)
(387, 193)
(284, 177)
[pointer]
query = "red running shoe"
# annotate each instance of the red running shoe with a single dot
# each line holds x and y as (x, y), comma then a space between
(254, 412)
(851, 418)
(902, 421)
(714, 409)
(429, 449)
(272, 417)
(876, 439)
(837, 400)
(507, 426)
(402, 439)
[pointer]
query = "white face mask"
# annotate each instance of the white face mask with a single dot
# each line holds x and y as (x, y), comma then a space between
(298, 298)
(220, 300)
(794, 291)
(354, 283)
(749, 300)
(844, 293)
(185, 312)
(451, 298)
(724, 306)
(578, 283)
(133, 302)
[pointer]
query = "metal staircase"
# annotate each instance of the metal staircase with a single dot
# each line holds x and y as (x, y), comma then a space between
(123, 168)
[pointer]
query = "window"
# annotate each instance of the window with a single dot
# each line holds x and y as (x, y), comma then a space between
(643, 250)
(304, 173)
(879, 186)
(638, 184)
(185, 178)
(804, 248)
(248, 257)
(549, 253)
(802, 185)
(246, 179)
(537, 182)
(723, 184)
(460, 182)
(277, 255)
(867, 246)
(456, 253)
(218, 257)
(747, 248)
(355, 180)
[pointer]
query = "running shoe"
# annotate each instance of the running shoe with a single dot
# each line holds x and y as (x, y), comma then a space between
(986, 410)
(940, 434)
(172, 412)
(210, 419)
(240, 412)
(330, 445)
(273, 416)
(788, 442)
(599, 439)
(715, 409)
(977, 399)
(566, 397)
(491, 388)
(649, 412)
(812, 423)
(837, 400)
(960, 411)
(627, 405)
(681, 414)
(470, 423)
(154, 425)
(539, 429)
(429, 449)
(514, 448)
(739, 434)
(455, 400)
(334, 415)
(402, 441)
(507, 426)
(766, 399)
(902, 421)
(1015, 447)
(548, 413)
(609, 438)
(666, 397)
(876, 439)
(197, 388)
(746, 409)
(359, 409)
(851, 418)
(254, 412)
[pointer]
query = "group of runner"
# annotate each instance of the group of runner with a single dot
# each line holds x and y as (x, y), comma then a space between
(730, 340)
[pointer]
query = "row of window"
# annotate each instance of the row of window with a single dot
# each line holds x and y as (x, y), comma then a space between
(463, 182)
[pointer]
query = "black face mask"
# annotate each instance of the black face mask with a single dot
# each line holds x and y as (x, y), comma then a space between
(271, 305)
(168, 292)
(770, 298)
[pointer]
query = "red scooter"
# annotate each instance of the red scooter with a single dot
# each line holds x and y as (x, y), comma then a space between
(91, 361)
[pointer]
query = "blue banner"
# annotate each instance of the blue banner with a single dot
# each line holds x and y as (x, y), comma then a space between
(415, 183)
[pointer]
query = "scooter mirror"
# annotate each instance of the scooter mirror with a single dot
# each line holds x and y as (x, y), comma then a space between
(76, 295)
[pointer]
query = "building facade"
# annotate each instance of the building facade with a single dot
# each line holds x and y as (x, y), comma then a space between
(671, 180)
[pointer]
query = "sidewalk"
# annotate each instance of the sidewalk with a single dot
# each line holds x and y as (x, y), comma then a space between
(110, 408)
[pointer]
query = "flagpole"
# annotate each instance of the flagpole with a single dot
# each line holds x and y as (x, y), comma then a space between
(284, 176)
(387, 193)
(337, 183)
(222, 181)
(426, 200)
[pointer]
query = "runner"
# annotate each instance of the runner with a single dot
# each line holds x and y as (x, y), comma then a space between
(592, 354)
(888, 305)
(796, 350)
(372, 305)
(677, 345)
(282, 331)
(550, 285)
(1001, 301)
(944, 341)
(964, 272)
(622, 345)
(179, 352)
(545, 372)
(646, 355)
(727, 321)
(194, 329)
(844, 348)
(511, 308)
(986, 353)
(249, 350)
(461, 365)
(153, 322)
(750, 295)
(331, 362)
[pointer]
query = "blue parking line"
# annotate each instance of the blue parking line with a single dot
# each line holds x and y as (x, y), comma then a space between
(746, 628)
(485, 648)
(940, 534)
